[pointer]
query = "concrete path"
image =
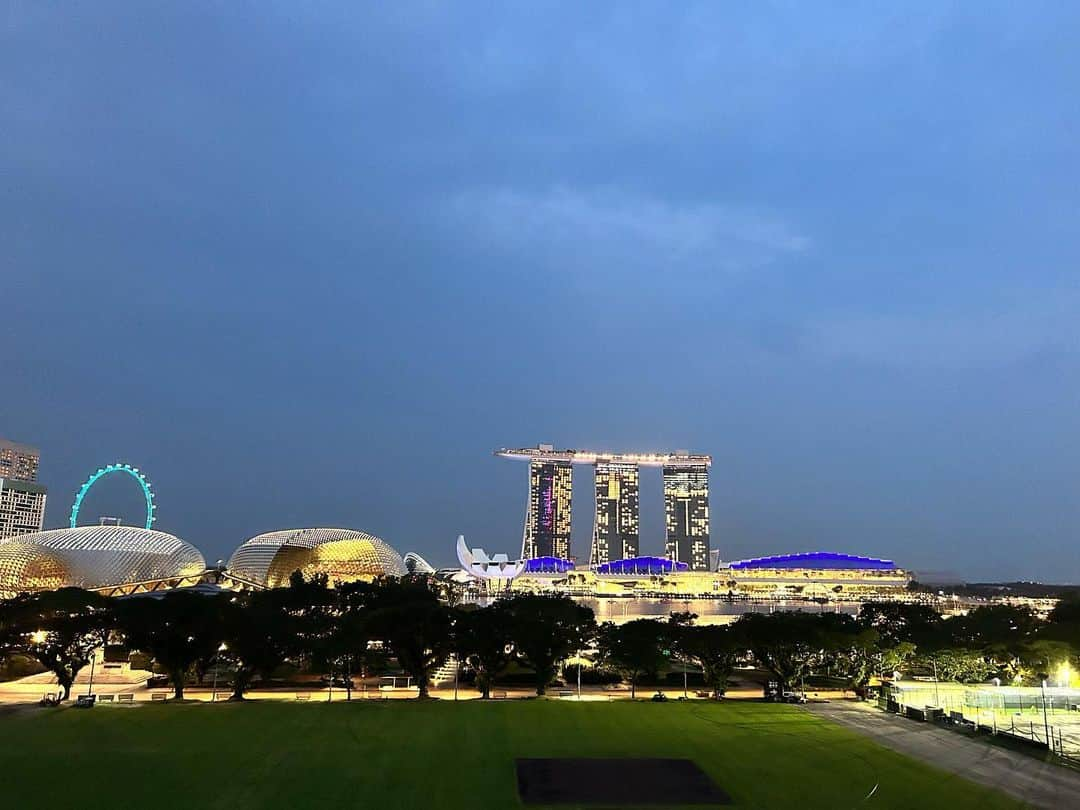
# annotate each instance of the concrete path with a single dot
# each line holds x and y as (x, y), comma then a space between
(1038, 783)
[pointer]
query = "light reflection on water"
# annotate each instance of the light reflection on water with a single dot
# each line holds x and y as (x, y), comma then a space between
(709, 611)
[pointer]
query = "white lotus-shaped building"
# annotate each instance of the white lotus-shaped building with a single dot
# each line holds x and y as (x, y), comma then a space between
(479, 564)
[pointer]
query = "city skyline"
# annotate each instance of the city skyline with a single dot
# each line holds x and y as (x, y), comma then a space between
(312, 271)
(684, 520)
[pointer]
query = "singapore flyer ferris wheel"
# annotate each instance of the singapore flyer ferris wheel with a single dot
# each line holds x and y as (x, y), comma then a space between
(126, 469)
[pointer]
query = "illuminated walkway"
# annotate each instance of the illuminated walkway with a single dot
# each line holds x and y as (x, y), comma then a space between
(1040, 784)
(31, 689)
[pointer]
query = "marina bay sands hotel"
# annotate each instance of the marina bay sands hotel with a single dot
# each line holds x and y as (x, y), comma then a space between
(615, 528)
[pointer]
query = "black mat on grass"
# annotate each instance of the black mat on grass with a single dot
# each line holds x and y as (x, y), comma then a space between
(617, 782)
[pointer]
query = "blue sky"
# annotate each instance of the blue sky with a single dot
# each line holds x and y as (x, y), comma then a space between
(308, 264)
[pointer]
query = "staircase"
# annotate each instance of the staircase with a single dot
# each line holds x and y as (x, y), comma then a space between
(445, 673)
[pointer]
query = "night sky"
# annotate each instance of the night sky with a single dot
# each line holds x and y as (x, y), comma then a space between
(309, 264)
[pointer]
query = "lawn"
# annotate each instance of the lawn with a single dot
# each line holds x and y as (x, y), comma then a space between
(406, 754)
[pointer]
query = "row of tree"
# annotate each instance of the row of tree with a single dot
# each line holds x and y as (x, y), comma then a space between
(355, 628)
(343, 631)
(885, 639)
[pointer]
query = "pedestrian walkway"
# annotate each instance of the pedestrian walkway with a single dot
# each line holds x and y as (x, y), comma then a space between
(1028, 778)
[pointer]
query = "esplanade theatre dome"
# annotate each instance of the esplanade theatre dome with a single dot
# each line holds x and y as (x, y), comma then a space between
(344, 555)
(93, 557)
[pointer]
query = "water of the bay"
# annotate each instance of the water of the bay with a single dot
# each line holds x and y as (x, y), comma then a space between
(709, 611)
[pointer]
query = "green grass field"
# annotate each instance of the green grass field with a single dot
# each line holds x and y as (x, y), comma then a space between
(440, 755)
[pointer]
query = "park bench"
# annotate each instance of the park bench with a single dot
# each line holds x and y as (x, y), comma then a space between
(85, 701)
(125, 698)
(106, 698)
(302, 696)
(159, 697)
(500, 695)
(566, 693)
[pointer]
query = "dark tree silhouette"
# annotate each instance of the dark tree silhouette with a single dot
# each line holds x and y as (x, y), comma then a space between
(1060, 634)
(407, 615)
(717, 649)
(175, 630)
(59, 629)
(899, 622)
(311, 605)
(989, 626)
(257, 633)
(989, 639)
(345, 647)
(636, 649)
(788, 644)
(851, 650)
(482, 639)
(546, 630)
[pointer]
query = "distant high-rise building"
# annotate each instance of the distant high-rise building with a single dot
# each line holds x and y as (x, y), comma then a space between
(22, 508)
(547, 521)
(615, 530)
(18, 462)
(22, 502)
(686, 515)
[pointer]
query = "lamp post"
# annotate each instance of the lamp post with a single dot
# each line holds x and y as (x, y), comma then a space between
(1046, 723)
(93, 658)
(348, 676)
(213, 689)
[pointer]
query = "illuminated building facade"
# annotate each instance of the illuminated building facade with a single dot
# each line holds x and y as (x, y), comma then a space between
(343, 555)
(97, 558)
(615, 530)
(816, 576)
(547, 521)
(22, 508)
(641, 566)
(686, 515)
(22, 500)
(18, 462)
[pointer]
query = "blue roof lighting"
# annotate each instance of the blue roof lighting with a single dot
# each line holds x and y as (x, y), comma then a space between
(817, 559)
(548, 565)
(641, 565)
